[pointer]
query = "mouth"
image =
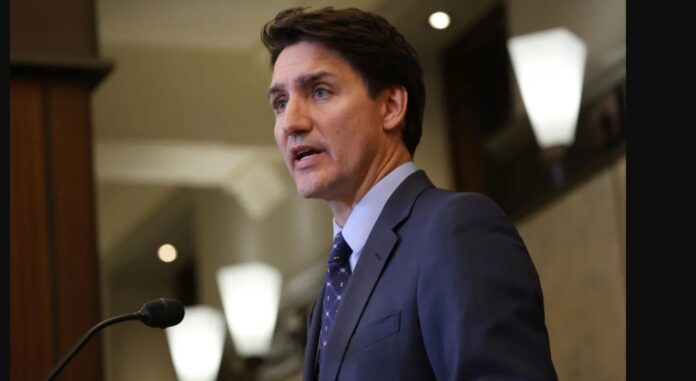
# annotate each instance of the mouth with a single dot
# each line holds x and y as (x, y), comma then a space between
(305, 153)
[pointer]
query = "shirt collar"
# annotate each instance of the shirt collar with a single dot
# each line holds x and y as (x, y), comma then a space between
(365, 213)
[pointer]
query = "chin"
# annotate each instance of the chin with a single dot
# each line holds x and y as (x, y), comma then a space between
(308, 193)
(306, 189)
(312, 188)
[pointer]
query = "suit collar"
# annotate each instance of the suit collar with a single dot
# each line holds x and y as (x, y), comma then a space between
(375, 254)
(400, 203)
(365, 213)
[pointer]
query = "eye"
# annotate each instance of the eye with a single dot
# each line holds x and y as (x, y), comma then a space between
(279, 104)
(321, 93)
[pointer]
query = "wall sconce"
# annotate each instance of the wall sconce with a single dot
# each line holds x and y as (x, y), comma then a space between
(549, 66)
(196, 343)
(250, 295)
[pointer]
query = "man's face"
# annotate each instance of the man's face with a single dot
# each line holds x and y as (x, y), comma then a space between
(327, 127)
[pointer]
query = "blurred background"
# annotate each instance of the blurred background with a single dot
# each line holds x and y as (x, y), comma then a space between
(143, 164)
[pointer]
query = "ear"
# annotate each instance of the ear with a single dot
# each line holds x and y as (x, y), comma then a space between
(395, 103)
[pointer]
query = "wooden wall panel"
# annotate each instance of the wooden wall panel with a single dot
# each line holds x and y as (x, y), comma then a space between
(76, 264)
(55, 271)
(52, 29)
(54, 288)
(31, 318)
(477, 95)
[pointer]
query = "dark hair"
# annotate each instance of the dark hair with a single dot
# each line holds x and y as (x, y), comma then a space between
(372, 46)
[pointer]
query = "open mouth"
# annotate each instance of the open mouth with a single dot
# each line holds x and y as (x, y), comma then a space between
(306, 153)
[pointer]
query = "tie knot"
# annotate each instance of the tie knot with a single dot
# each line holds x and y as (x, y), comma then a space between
(340, 252)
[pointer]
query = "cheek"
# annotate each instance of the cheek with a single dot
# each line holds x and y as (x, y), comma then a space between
(360, 130)
(281, 142)
(279, 137)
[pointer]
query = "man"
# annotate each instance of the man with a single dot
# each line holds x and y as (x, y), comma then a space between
(422, 283)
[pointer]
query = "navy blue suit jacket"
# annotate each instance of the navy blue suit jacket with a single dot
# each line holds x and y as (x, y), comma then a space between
(444, 290)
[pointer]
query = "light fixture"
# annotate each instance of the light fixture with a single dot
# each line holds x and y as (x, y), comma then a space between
(549, 66)
(439, 20)
(250, 295)
(167, 253)
(196, 343)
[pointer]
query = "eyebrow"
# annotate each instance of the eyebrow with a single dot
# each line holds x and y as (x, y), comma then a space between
(299, 81)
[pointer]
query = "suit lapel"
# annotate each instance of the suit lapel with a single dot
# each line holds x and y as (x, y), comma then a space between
(310, 358)
(373, 258)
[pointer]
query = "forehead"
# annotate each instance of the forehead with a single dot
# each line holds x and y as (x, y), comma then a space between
(305, 58)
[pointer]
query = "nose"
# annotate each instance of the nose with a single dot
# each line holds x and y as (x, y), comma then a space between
(295, 118)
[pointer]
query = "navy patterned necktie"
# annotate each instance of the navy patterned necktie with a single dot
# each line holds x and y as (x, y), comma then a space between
(337, 276)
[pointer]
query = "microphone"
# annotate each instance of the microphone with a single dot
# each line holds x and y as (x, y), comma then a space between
(158, 313)
(161, 313)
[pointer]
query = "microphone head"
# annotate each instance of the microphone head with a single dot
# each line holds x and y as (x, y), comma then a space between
(161, 313)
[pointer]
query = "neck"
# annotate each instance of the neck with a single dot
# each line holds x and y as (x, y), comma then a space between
(341, 209)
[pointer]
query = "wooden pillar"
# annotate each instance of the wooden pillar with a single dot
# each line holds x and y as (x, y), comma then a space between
(54, 269)
(477, 94)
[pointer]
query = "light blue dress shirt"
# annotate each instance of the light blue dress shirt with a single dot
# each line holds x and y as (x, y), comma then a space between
(365, 213)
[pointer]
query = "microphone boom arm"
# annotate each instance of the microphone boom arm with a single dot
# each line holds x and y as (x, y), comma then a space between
(159, 313)
(87, 336)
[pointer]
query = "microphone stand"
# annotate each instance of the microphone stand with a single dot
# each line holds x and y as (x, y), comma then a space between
(159, 313)
(87, 336)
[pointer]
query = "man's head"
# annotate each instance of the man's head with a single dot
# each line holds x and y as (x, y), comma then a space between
(373, 47)
(348, 97)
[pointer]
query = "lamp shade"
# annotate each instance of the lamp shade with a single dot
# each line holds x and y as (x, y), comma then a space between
(549, 67)
(250, 295)
(196, 343)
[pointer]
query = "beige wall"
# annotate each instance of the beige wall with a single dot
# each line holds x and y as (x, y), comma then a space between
(119, 212)
(578, 246)
(433, 153)
(291, 238)
(133, 351)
